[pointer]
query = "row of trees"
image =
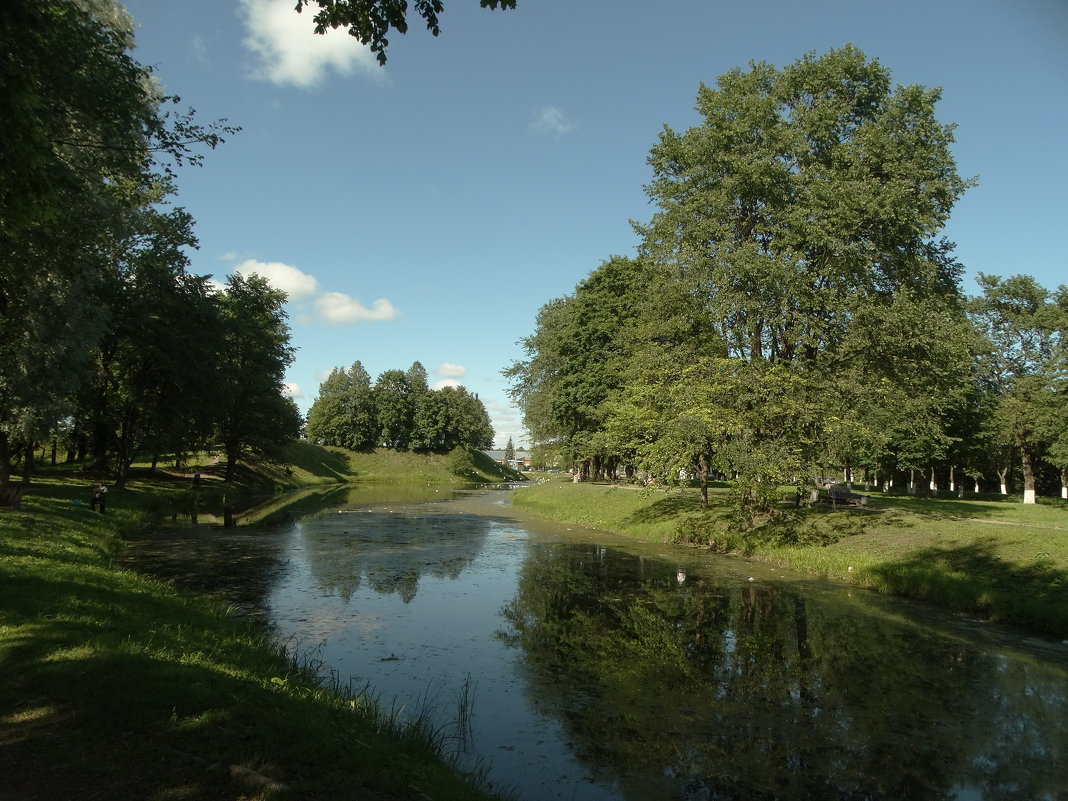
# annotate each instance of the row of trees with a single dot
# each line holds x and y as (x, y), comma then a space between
(398, 411)
(104, 334)
(792, 310)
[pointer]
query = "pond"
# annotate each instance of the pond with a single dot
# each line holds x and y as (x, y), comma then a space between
(571, 663)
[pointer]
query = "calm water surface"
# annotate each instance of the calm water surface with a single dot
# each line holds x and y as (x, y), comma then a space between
(598, 668)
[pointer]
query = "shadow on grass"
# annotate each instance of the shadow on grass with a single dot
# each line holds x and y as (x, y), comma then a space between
(941, 507)
(972, 578)
(667, 508)
(319, 461)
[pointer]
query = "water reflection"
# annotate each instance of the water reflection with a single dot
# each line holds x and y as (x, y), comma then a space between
(604, 669)
(713, 689)
(235, 567)
(390, 548)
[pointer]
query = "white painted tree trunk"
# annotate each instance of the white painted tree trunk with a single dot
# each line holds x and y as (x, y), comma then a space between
(934, 481)
(976, 485)
(1029, 496)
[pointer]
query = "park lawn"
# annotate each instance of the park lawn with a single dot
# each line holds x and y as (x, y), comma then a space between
(118, 686)
(996, 560)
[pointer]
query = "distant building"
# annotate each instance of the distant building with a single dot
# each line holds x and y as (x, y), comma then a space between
(520, 462)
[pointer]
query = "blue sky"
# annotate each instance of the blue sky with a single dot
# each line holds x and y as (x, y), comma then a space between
(427, 210)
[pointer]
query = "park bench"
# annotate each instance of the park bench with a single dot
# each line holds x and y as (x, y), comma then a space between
(839, 494)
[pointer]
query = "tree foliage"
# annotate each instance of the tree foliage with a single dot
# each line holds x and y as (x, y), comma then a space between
(91, 263)
(791, 306)
(398, 411)
(370, 21)
(1025, 361)
(257, 416)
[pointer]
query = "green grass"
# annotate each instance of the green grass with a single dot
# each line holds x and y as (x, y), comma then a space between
(114, 685)
(308, 465)
(404, 467)
(1000, 561)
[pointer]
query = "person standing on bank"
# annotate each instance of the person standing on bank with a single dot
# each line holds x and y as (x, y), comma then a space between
(100, 496)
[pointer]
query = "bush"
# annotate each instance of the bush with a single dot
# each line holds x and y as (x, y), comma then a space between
(460, 462)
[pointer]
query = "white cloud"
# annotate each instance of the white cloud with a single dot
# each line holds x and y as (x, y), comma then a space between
(337, 307)
(507, 422)
(293, 390)
(445, 382)
(199, 48)
(447, 370)
(289, 52)
(296, 284)
(303, 291)
(551, 121)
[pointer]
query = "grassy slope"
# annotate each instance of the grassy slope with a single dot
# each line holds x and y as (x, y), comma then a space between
(310, 465)
(114, 685)
(1003, 561)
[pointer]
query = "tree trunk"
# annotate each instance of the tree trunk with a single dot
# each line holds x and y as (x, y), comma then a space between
(5, 461)
(27, 462)
(1028, 465)
(1003, 473)
(702, 472)
(124, 451)
(952, 481)
(1064, 484)
(912, 482)
(934, 481)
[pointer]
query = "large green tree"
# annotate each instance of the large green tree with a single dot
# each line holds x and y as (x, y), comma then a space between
(577, 358)
(449, 418)
(257, 417)
(161, 320)
(1023, 326)
(800, 217)
(87, 141)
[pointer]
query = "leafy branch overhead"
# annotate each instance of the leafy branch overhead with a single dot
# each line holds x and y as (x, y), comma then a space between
(370, 21)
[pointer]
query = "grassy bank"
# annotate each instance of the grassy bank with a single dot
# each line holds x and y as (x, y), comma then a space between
(997, 560)
(114, 685)
(308, 465)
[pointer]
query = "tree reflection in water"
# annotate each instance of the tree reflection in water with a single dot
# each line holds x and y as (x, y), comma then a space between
(668, 680)
(390, 550)
(755, 692)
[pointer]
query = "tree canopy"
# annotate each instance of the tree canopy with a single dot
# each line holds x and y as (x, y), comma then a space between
(397, 411)
(793, 307)
(106, 340)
